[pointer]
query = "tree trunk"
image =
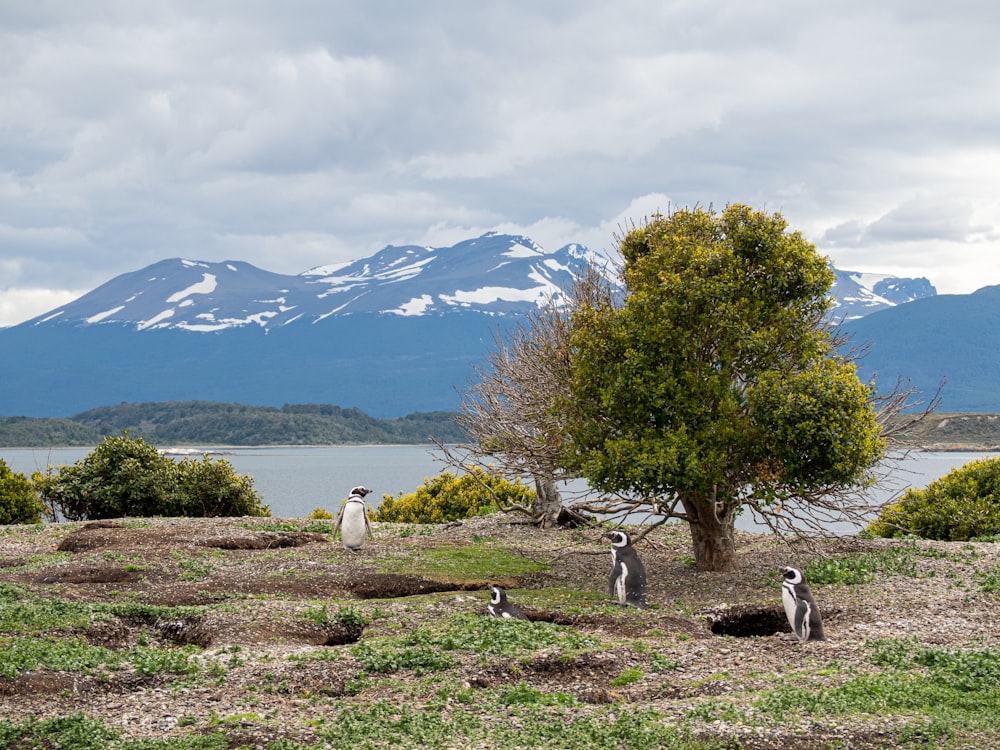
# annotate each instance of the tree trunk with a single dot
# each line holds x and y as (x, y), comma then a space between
(548, 502)
(712, 533)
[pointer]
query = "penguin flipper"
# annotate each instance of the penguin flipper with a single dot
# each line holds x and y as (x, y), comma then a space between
(368, 525)
(802, 626)
(336, 524)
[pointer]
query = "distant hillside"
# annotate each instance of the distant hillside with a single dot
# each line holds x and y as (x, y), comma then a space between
(213, 423)
(947, 431)
(949, 338)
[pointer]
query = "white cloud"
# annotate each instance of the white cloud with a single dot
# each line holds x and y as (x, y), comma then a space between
(301, 138)
(19, 305)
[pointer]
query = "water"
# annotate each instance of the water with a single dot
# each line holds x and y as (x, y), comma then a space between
(296, 480)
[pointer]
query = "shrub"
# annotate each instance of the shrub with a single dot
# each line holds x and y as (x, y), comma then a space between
(964, 504)
(449, 498)
(124, 476)
(19, 501)
(209, 487)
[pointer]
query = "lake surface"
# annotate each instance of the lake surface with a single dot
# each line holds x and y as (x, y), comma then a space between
(295, 480)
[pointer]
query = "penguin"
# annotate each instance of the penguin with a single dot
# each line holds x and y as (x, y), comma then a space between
(800, 607)
(499, 605)
(627, 583)
(353, 520)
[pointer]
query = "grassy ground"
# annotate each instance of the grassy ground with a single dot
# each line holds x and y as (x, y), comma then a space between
(225, 633)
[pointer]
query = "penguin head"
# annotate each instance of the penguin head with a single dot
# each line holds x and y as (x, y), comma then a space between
(793, 575)
(497, 595)
(360, 491)
(618, 538)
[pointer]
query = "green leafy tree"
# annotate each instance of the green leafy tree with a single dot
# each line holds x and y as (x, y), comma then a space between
(961, 505)
(125, 476)
(19, 501)
(715, 384)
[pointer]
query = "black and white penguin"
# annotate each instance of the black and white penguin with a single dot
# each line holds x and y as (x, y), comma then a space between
(353, 520)
(627, 583)
(499, 605)
(800, 607)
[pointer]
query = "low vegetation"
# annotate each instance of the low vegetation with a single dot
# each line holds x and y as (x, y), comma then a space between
(19, 501)
(448, 497)
(964, 504)
(164, 634)
(125, 476)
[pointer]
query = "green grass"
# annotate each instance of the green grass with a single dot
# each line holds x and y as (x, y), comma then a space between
(477, 562)
(864, 567)
(989, 581)
(524, 718)
(426, 650)
(953, 691)
(27, 654)
(24, 613)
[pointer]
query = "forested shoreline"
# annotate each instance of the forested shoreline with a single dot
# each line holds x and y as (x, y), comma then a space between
(218, 423)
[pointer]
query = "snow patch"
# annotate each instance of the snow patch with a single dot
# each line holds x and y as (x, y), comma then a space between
(487, 294)
(106, 314)
(522, 251)
(159, 318)
(207, 285)
(416, 306)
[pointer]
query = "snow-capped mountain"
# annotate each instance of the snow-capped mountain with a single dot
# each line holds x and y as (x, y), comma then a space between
(495, 274)
(398, 332)
(858, 294)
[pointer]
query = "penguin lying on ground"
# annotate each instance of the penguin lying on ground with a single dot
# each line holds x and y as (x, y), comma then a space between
(627, 583)
(353, 520)
(499, 606)
(800, 607)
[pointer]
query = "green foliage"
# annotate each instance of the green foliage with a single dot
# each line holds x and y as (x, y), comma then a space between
(76, 655)
(19, 501)
(214, 423)
(24, 613)
(494, 635)
(320, 514)
(863, 568)
(74, 732)
(627, 677)
(715, 380)
(422, 659)
(34, 432)
(956, 690)
(989, 581)
(465, 563)
(447, 497)
(964, 504)
(209, 487)
(124, 476)
(522, 717)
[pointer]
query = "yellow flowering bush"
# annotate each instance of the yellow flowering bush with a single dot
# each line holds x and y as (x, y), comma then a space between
(448, 497)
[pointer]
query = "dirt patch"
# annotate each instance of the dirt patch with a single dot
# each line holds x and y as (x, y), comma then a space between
(748, 621)
(367, 585)
(267, 540)
(87, 574)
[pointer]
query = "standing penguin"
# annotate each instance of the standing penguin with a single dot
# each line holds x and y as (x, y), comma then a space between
(627, 583)
(353, 520)
(499, 606)
(800, 607)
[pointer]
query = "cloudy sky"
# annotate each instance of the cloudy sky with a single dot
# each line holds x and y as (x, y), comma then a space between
(311, 132)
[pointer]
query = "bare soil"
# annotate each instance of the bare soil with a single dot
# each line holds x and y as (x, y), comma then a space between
(252, 593)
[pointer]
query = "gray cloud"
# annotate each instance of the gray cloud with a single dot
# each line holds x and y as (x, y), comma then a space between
(313, 132)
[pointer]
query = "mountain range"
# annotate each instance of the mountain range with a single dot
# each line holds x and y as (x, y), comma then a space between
(394, 333)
